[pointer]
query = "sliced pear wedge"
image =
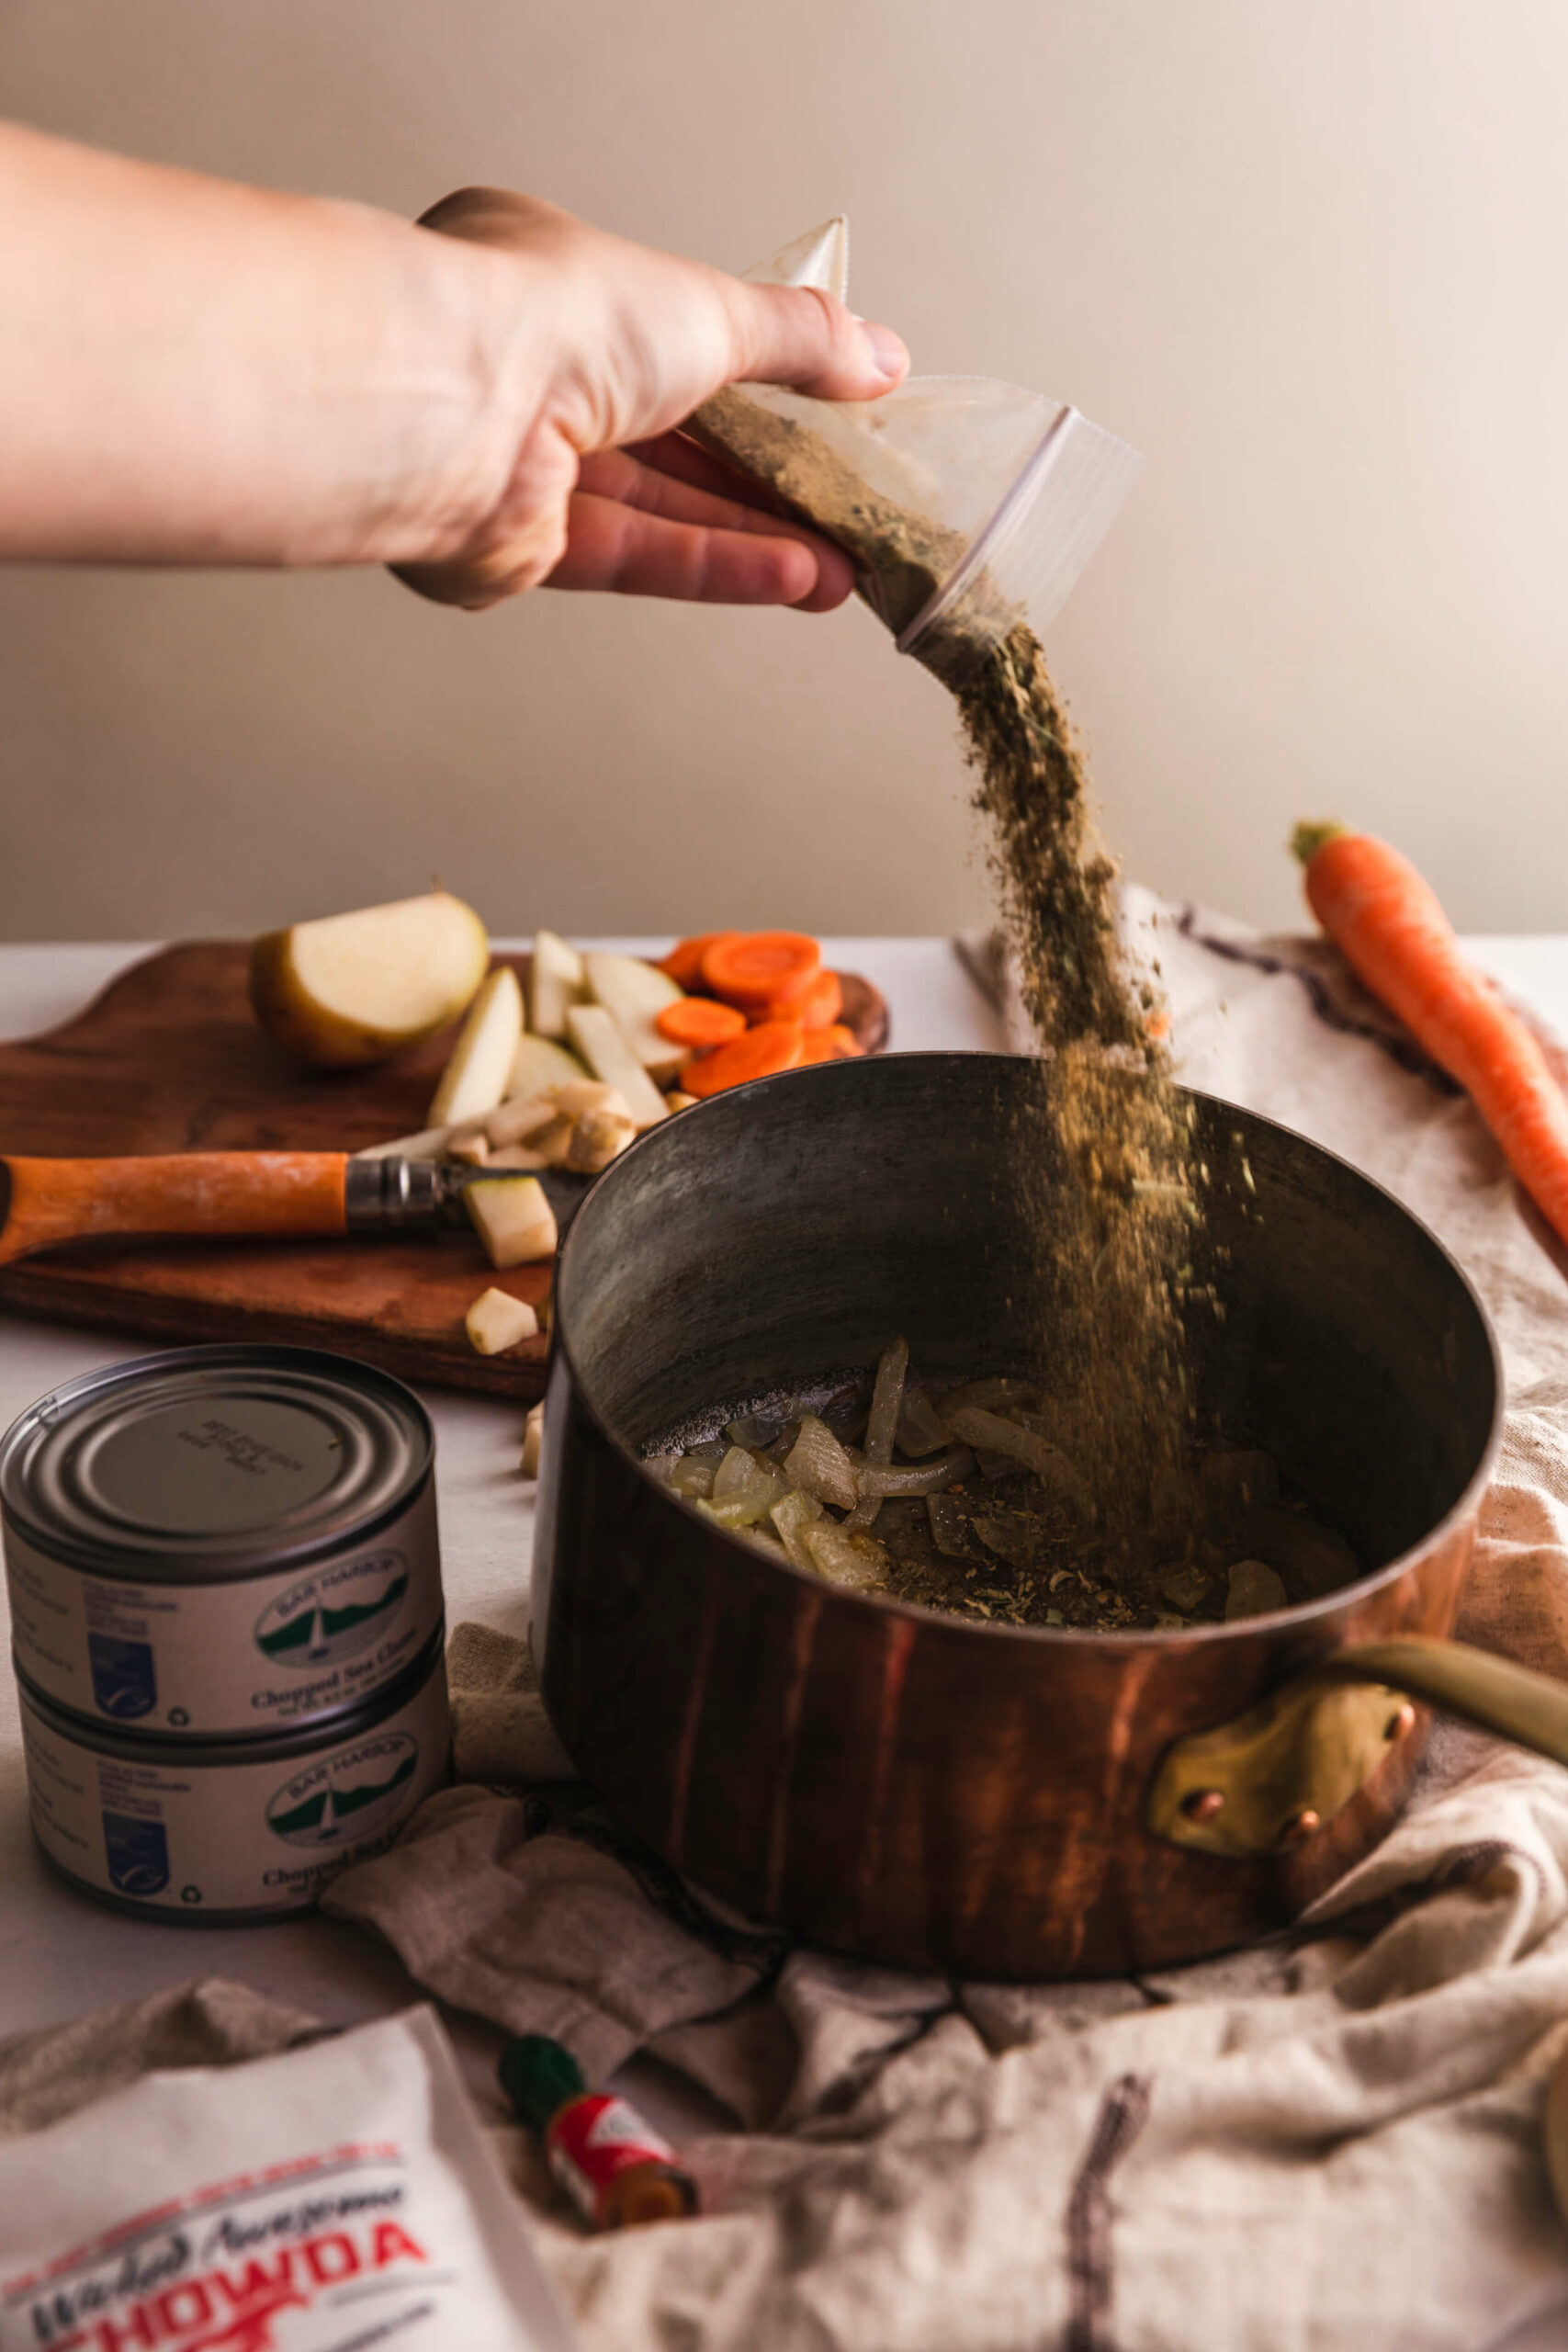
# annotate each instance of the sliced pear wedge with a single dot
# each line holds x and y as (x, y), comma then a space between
(479, 1075)
(635, 993)
(554, 980)
(601, 1042)
(541, 1066)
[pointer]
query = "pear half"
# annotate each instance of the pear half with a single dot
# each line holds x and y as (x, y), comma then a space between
(354, 988)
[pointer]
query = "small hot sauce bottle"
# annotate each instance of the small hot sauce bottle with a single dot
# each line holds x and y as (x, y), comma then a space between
(613, 2166)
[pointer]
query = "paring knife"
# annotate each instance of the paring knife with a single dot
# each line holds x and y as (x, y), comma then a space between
(268, 1195)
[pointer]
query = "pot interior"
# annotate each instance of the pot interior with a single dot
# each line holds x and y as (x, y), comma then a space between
(782, 1232)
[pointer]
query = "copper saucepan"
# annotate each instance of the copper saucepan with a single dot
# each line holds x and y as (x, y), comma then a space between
(976, 1798)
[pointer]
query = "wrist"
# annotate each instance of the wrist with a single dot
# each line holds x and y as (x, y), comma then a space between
(476, 364)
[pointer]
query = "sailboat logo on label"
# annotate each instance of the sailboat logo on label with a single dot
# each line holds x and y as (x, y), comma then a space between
(335, 1613)
(342, 1799)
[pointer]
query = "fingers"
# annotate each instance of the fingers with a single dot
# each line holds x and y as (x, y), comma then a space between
(799, 335)
(631, 550)
(656, 477)
(682, 460)
(634, 529)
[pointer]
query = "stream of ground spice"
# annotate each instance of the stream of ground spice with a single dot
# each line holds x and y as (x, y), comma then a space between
(1114, 1237)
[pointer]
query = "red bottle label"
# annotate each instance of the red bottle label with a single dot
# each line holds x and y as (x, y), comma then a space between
(592, 2140)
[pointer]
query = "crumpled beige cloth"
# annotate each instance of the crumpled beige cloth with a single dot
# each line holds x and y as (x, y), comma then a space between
(1329, 2140)
(500, 1729)
(48, 2074)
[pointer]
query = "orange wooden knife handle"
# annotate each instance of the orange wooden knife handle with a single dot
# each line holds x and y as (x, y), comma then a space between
(276, 1193)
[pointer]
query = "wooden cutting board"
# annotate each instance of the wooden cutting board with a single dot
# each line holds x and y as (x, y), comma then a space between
(169, 1058)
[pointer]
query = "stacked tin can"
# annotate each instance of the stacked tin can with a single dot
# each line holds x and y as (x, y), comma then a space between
(225, 1587)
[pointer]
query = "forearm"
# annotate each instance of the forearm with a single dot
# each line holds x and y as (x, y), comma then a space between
(193, 372)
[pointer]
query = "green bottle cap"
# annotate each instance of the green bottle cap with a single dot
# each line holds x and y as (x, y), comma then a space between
(538, 2077)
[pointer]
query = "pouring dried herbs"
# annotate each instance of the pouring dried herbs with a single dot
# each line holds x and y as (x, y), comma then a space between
(1109, 1267)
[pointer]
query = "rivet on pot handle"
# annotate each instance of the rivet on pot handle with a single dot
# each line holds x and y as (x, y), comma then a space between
(1516, 1703)
(1270, 1779)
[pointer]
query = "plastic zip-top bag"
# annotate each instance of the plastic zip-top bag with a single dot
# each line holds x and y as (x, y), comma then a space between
(338, 2196)
(963, 502)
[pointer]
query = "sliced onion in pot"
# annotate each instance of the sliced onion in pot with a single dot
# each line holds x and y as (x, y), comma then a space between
(922, 1429)
(995, 1465)
(917, 1478)
(886, 1396)
(737, 1470)
(792, 1517)
(754, 1430)
(746, 1505)
(840, 1557)
(818, 1463)
(692, 1477)
(987, 1394)
(1312, 1559)
(1049, 1464)
(1255, 1589)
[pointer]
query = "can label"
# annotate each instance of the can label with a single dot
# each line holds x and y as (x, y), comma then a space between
(231, 1659)
(594, 2139)
(258, 1837)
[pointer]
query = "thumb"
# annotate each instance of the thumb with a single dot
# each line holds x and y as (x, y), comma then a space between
(800, 335)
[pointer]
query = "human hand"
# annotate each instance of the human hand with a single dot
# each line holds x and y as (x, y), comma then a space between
(593, 350)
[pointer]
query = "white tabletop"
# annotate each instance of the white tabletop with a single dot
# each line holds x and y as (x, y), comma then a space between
(60, 1952)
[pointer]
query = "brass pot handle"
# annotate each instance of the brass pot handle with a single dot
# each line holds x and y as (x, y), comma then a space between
(1268, 1779)
(1512, 1701)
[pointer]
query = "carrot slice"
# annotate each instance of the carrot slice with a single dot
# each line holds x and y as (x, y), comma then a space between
(756, 1053)
(684, 961)
(757, 968)
(834, 1044)
(817, 1008)
(699, 1020)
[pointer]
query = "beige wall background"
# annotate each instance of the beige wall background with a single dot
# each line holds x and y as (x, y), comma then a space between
(1311, 260)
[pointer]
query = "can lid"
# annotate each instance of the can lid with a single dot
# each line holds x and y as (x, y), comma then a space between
(223, 1458)
(538, 2077)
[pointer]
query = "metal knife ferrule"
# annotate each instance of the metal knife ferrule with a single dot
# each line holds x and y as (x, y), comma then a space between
(384, 1195)
(389, 1195)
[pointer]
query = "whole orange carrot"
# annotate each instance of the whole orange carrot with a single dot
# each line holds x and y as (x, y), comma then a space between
(1388, 926)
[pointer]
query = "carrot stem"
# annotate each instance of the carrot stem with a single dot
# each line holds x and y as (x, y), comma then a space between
(1307, 840)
